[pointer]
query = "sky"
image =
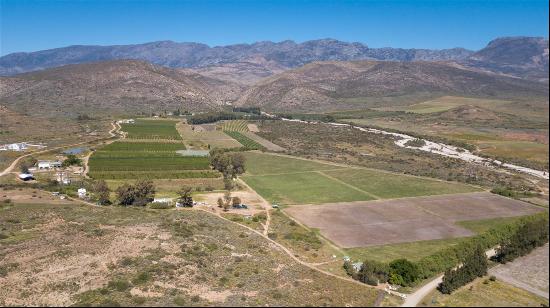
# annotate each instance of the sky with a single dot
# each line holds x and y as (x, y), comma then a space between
(27, 25)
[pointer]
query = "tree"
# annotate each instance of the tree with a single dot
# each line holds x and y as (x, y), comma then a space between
(220, 202)
(72, 160)
(474, 265)
(227, 201)
(185, 196)
(405, 269)
(102, 192)
(24, 169)
(236, 201)
(140, 194)
(229, 164)
(373, 272)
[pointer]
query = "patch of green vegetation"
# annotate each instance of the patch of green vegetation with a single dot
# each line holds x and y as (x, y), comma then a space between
(303, 188)
(260, 164)
(248, 143)
(413, 251)
(388, 185)
(480, 226)
(152, 129)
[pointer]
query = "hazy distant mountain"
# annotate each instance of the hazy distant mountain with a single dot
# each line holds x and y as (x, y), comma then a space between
(283, 55)
(525, 57)
(113, 87)
(334, 85)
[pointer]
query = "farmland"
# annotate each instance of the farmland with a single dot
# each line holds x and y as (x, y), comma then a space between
(244, 140)
(288, 180)
(205, 136)
(381, 222)
(152, 129)
(234, 126)
(145, 159)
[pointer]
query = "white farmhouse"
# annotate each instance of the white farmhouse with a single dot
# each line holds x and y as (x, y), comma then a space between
(48, 164)
(82, 193)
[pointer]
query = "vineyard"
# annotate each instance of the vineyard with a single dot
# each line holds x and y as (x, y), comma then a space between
(157, 162)
(153, 175)
(245, 141)
(152, 129)
(143, 147)
(234, 126)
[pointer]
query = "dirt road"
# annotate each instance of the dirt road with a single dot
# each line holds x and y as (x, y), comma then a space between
(12, 166)
(414, 299)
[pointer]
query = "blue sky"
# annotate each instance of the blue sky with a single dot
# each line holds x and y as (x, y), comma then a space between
(36, 25)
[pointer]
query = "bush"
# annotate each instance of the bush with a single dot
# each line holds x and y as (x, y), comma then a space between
(404, 271)
(161, 205)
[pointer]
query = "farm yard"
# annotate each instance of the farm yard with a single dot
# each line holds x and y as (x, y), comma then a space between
(289, 180)
(361, 224)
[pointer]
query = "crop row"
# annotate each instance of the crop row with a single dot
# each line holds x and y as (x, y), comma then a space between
(143, 147)
(170, 174)
(235, 126)
(148, 163)
(152, 129)
(245, 141)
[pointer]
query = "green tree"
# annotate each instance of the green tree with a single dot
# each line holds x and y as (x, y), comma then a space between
(373, 272)
(72, 160)
(405, 269)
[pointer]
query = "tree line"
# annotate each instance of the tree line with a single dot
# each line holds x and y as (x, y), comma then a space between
(473, 267)
(515, 239)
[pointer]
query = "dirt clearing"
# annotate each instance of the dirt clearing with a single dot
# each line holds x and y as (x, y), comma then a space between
(360, 224)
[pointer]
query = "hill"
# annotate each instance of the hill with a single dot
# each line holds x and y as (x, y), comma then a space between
(324, 86)
(285, 54)
(124, 86)
(525, 57)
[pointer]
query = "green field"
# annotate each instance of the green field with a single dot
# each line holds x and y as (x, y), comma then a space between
(245, 141)
(413, 251)
(152, 129)
(301, 188)
(287, 180)
(387, 186)
(143, 147)
(151, 160)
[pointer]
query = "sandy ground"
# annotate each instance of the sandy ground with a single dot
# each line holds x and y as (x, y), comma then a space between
(360, 224)
(26, 195)
(254, 202)
(529, 272)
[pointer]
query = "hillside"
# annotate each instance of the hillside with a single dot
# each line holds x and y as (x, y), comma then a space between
(285, 54)
(525, 57)
(112, 87)
(335, 85)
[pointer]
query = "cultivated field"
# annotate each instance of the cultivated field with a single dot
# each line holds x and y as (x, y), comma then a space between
(234, 126)
(244, 140)
(288, 180)
(205, 136)
(152, 129)
(62, 255)
(361, 224)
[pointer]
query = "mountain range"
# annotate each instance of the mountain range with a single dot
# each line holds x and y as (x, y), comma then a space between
(310, 76)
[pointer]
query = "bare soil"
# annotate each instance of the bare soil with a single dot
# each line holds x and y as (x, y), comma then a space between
(360, 224)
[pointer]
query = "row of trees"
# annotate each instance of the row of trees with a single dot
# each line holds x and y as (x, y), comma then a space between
(254, 110)
(515, 239)
(528, 237)
(211, 117)
(141, 193)
(474, 266)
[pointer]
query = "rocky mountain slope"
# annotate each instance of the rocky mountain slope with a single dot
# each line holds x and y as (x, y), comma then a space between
(525, 57)
(337, 85)
(286, 54)
(113, 86)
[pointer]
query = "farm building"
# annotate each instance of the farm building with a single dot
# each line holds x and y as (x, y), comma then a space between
(48, 164)
(26, 176)
(163, 200)
(82, 193)
(14, 147)
(127, 121)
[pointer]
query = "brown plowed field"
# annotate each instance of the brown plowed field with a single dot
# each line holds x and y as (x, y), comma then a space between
(359, 224)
